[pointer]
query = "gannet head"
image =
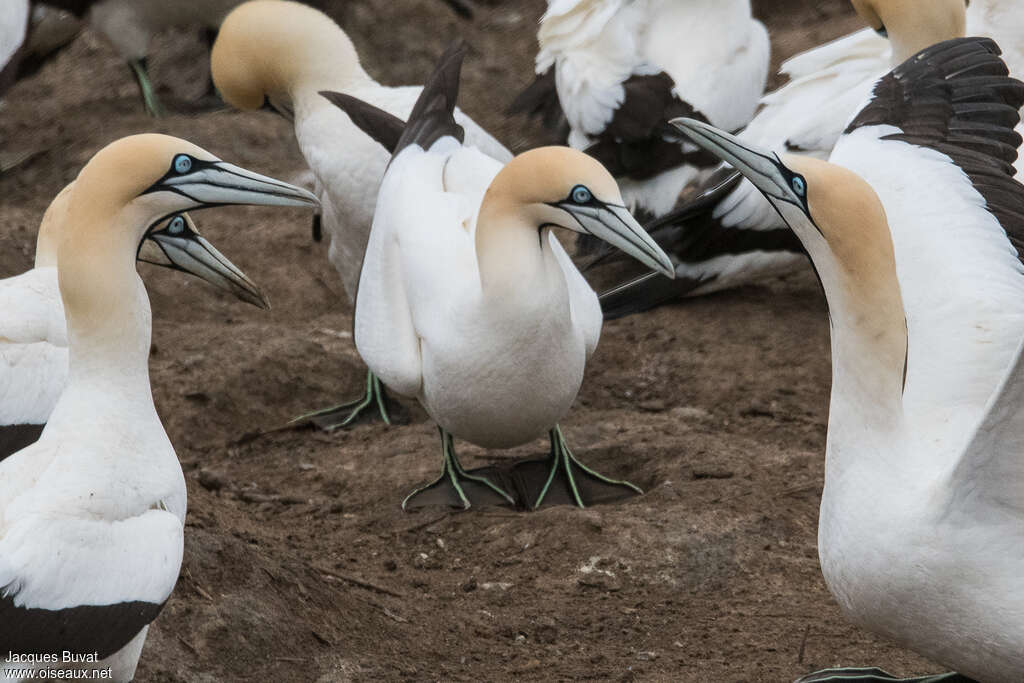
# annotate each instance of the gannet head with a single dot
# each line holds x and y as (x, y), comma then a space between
(564, 188)
(841, 222)
(131, 190)
(829, 207)
(912, 25)
(175, 243)
(268, 48)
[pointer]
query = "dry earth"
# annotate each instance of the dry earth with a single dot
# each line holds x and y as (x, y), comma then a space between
(299, 564)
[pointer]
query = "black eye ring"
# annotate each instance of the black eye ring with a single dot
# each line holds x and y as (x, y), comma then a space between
(182, 163)
(581, 195)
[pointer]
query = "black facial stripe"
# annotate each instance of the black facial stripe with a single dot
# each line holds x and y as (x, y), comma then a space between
(197, 165)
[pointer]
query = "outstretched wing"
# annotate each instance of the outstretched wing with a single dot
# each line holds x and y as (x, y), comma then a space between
(939, 128)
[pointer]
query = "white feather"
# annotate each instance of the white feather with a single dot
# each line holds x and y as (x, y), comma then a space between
(13, 24)
(349, 165)
(33, 347)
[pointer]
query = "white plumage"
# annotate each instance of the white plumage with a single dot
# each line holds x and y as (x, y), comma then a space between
(427, 327)
(466, 299)
(308, 53)
(348, 164)
(92, 513)
(921, 533)
(713, 50)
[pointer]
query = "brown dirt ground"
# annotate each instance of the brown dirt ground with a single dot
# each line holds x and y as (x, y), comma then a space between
(299, 564)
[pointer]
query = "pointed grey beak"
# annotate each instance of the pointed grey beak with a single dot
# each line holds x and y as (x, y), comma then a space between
(759, 166)
(216, 183)
(615, 225)
(177, 244)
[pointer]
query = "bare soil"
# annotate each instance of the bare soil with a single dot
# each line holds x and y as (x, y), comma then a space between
(299, 564)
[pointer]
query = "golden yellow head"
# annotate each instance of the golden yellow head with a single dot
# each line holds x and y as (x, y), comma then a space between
(913, 25)
(121, 172)
(563, 187)
(266, 49)
(547, 175)
(847, 212)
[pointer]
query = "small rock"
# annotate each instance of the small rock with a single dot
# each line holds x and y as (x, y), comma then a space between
(212, 480)
(546, 631)
(646, 656)
(689, 413)
(424, 561)
(470, 585)
(652, 406)
(336, 508)
(391, 565)
(520, 638)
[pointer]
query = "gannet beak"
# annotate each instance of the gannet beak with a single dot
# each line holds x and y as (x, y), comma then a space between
(615, 225)
(217, 183)
(760, 166)
(177, 244)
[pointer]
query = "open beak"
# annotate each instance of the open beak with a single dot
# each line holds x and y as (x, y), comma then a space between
(176, 243)
(217, 183)
(615, 225)
(761, 167)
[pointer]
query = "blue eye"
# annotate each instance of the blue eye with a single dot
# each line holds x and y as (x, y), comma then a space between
(581, 195)
(182, 163)
(799, 186)
(177, 226)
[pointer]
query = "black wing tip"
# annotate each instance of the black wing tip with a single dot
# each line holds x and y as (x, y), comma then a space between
(433, 115)
(372, 120)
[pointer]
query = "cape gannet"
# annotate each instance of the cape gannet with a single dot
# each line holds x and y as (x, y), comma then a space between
(620, 69)
(33, 335)
(92, 514)
(283, 54)
(731, 236)
(468, 302)
(915, 228)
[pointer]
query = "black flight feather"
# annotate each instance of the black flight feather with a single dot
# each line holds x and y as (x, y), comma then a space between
(957, 98)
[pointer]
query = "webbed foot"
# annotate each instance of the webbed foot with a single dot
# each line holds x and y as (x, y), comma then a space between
(374, 403)
(458, 487)
(561, 479)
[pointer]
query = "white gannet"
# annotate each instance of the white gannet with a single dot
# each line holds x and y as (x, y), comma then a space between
(283, 54)
(732, 236)
(915, 229)
(620, 69)
(468, 302)
(33, 335)
(92, 514)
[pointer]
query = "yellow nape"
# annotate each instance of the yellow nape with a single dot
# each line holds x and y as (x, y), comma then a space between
(913, 25)
(548, 174)
(852, 219)
(48, 240)
(270, 48)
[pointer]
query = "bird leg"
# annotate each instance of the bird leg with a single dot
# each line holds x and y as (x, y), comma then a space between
(572, 473)
(149, 98)
(345, 414)
(455, 482)
(876, 675)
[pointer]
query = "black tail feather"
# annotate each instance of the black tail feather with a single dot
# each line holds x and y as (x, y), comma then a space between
(374, 121)
(433, 116)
